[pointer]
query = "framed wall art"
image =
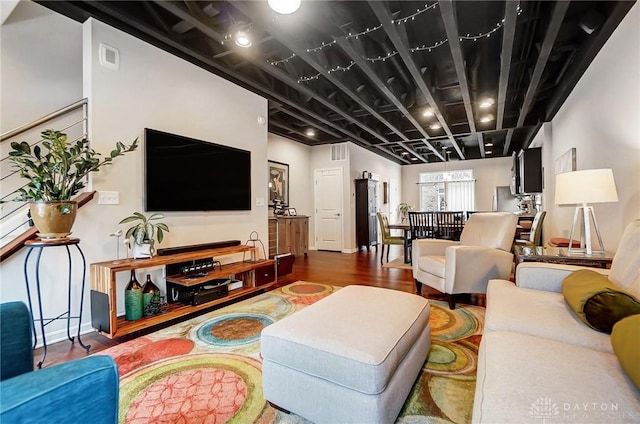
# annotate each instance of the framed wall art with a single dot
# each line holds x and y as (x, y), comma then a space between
(566, 162)
(278, 183)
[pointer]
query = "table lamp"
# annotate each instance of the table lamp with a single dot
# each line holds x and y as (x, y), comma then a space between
(581, 188)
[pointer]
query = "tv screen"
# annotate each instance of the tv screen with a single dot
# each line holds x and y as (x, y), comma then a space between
(184, 174)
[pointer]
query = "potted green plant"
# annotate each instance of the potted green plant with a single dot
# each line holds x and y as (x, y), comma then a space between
(404, 208)
(143, 233)
(56, 171)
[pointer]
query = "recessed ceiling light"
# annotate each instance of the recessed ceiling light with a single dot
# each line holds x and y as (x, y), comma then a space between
(414, 158)
(489, 144)
(435, 126)
(310, 132)
(428, 112)
(487, 118)
(488, 152)
(485, 103)
(242, 39)
(404, 153)
(284, 7)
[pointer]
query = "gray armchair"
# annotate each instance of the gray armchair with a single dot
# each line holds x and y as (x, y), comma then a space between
(466, 266)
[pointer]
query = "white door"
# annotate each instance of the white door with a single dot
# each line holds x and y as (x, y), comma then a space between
(328, 201)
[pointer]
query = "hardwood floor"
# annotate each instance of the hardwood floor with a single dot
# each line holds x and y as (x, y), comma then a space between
(338, 269)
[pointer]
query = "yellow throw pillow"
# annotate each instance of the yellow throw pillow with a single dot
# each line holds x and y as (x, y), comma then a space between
(596, 300)
(625, 338)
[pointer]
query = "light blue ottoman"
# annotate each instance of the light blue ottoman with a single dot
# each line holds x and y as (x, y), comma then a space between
(351, 357)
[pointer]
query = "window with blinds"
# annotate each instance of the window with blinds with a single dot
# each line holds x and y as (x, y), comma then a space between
(447, 191)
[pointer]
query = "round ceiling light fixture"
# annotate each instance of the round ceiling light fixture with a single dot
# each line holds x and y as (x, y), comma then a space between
(487, 118)
(435, 126)
(488, 102)
(310, 132)
(242, 39)
(284, 7)
(428, 112)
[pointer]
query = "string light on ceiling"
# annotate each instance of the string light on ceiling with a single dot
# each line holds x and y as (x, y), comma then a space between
(322, 46)
(488, 33)
(367, 31)
(277, 62)
(413, 16)
(335, 69)
(429, 48)
(388, 55)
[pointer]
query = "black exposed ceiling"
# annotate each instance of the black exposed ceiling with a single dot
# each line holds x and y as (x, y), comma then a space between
(366, 71)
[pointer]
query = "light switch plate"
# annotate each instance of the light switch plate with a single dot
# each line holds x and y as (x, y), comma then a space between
(108, 197)
(259, 201)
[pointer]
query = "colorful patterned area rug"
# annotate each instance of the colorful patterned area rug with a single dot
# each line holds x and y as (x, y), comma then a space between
(208, 369)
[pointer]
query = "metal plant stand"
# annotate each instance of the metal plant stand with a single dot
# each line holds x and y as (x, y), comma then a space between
(38, 246)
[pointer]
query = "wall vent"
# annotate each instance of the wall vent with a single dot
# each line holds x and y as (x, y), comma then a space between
(109, 57)
(339, 152)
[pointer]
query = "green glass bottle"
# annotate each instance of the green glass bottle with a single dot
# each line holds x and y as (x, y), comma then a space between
(133, 299)
(150, 297)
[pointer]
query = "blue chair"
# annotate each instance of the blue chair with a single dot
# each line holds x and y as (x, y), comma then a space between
(76, 391)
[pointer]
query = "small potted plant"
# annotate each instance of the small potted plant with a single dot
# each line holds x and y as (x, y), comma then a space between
(56, 171)
(404, 208)
(143, 233)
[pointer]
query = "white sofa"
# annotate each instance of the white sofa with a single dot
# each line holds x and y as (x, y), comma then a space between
(538, 362)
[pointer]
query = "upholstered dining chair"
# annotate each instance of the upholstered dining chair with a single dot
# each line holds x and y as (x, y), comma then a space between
(387, 238)
(535, 234)
(466, 266)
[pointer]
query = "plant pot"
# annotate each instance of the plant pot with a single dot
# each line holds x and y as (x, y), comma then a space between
(53, 219)
(144, 250)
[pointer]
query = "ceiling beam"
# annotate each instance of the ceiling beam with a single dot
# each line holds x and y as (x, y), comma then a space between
(303, 54)
(508, 35)
(385, 18)
(507, 141)
(261, 62)
(481, 144)
(545, 51)
(447, 9)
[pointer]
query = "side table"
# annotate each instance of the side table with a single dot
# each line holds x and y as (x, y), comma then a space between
(559, 255)
(38, 246)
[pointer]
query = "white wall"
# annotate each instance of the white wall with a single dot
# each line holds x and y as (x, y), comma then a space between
(298, 157)
(157, 90)
(365, 160)
(601, 119)
(40, 66)
(488, 174)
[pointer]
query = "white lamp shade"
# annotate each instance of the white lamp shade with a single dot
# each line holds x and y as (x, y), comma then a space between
(284, 7)
(588, 186)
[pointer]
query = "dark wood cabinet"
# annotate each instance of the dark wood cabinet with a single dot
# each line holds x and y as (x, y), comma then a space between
(366, 219)
(529, 178)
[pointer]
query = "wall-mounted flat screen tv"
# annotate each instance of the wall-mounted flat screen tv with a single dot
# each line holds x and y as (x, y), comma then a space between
(185, 174)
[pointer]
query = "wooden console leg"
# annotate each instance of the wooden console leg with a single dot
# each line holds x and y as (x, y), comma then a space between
(418, 287)
(274, 406)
